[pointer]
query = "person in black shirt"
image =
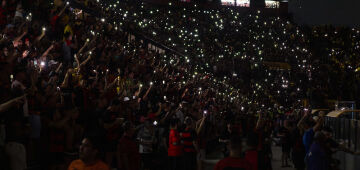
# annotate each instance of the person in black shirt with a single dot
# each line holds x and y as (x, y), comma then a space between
(225, 138)
(333, 146)
(298, 149)
(285, 143)
(112, 125)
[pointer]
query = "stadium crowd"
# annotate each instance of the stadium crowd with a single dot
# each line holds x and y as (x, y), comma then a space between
(79, 92)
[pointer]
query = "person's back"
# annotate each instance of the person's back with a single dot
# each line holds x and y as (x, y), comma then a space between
(234, 161)
(298, 149)
(175, 150)
(188, 138)
(308, 138)
(252, 155)
(128, 149)
(316, 158)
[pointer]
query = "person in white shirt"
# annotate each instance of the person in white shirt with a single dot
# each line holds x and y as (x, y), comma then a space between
(18, 87)
(146, 138)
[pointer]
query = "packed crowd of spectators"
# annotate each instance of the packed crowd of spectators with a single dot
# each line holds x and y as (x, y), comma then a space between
(72, 81)
(230, 46)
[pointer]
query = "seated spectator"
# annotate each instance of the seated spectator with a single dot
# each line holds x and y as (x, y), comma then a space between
(89, 156)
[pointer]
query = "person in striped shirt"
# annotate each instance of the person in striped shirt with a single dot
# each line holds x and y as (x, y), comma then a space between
(188, 139)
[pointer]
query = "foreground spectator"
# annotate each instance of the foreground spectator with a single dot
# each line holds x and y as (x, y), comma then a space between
(146, 137)
(128, 149)
(89, 156)
(316, 158)
(309, 126)
(188, 137)
(175, 150)
(235, 160)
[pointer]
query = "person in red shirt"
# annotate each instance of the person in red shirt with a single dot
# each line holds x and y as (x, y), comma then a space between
(128, 150)
(175, 150)
(56, 28)
(251, 154)
(234, 161)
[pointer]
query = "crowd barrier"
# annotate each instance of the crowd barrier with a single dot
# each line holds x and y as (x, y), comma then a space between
(345, 130)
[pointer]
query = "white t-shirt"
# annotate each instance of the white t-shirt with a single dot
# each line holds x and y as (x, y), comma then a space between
(18, 84)
(17, 155)
(180, 115)
(145, 135)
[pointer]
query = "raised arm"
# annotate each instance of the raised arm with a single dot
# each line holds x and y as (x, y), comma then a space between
(52, 79)
(77, 61)
(137, 93)
(41, 35)
(147, 92)
(16, 41)
(65, 83)
(62, 11)
(82, 48)
(159, 110)
(200, 127)
(112, 84)
(318, 124)
(20, 37)
(85, 61)
(185, 91)
(165, 117)
(301, 123)
(47, 51)
(58, 69)
(5, 106)
(259, 122)
(105, 79)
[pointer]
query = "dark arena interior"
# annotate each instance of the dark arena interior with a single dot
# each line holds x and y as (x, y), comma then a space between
(179, 85)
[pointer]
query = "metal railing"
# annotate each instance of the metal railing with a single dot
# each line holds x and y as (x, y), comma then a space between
(345, 130)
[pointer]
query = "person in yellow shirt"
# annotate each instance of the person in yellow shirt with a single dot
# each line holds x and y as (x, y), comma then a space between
(88, 156)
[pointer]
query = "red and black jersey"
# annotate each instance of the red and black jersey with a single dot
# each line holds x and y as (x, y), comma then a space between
(188, 136)
(230, 163)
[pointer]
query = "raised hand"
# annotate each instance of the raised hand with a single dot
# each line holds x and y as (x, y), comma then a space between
(25, 53)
